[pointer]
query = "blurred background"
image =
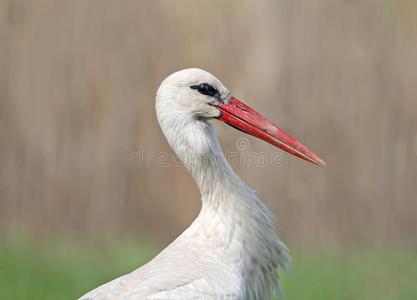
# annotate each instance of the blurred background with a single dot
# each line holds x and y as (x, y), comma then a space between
(80, 206)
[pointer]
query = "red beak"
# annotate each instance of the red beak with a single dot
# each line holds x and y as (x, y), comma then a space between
(239, 115)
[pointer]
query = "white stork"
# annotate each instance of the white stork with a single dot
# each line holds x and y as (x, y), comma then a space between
(232, 249)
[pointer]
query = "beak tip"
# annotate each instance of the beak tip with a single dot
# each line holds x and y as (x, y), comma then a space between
(320, 162)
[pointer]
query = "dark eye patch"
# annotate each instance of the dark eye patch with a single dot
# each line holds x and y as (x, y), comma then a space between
(206, 89)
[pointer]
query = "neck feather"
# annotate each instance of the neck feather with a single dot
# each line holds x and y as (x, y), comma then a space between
(230, 209)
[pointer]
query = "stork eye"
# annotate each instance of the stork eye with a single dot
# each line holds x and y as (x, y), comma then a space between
(206, 89)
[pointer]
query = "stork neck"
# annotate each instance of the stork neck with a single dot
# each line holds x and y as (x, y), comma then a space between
(196, 144)
(201, 154)
(231, 212)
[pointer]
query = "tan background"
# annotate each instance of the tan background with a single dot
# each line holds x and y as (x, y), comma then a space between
(77, 86)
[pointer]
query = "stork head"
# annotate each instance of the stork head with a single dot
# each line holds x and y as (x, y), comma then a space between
(194, 94)
(191, 92)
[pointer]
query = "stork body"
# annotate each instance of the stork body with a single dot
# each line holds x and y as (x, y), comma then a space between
(231, 250)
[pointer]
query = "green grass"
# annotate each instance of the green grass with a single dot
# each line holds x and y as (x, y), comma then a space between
(65, 270)
(374, 273)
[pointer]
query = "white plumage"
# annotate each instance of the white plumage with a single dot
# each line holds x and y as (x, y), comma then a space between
(232, 249)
